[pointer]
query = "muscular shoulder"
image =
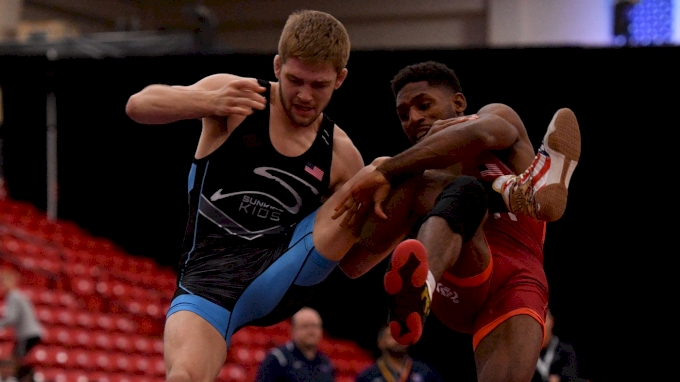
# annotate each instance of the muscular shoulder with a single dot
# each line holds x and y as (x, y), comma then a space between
(345, 150)
(505, 112)
(347, 160)
(215, 81)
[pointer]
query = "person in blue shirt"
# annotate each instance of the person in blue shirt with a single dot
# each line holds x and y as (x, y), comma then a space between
(396, 365)
(299, 359)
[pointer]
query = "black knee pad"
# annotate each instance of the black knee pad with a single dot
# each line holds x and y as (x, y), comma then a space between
(463, 204)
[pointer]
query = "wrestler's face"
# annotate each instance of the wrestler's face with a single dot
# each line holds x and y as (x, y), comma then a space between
(307, 329)
(387, 343)
(420, 104)
(306, 89)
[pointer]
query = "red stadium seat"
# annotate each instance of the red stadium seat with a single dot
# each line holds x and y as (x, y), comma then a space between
(6, 333)
(86, 320)
(98, 377)
(123, 343)
(6, 349)
(157, 366)
(68, 300)
(124, 324)
(50, 374)
(141, 364)
(120, 377)
(232, 373)
(80, 359)
(346, 378)
(343, 366)
(84, 289)
(248, 357)
(76, 376)
(84, 339)
(59, 336)
(103, 361)
(122, 363)
(104, 321)
(157, 344)
(48, 356)
(242, 337)
(103, 341)
(46, 315)
(359, 365)
(66, 317)
(262, 340)
(142, 345)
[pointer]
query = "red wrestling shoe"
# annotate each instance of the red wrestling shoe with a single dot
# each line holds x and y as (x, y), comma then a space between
(541, 191)
(408, 293)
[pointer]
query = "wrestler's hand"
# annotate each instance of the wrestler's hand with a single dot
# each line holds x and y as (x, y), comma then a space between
(368, 187)
(239, 96)
(442, 124)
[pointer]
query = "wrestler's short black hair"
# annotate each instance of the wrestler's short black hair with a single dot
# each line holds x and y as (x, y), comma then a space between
(435, 73)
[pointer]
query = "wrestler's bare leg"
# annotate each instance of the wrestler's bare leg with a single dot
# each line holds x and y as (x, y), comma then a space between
(509, 352)
(194, 350)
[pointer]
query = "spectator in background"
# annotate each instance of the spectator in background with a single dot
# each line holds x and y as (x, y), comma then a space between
(299, 359)
(395, 364)
(19, 314)
(8, 370)
(557, 361)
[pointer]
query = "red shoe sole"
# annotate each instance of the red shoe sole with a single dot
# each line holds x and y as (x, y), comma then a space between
(402, 253)
(404, 281)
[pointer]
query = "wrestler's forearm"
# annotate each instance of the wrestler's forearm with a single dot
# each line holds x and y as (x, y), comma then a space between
(441, 150)
(161, 104)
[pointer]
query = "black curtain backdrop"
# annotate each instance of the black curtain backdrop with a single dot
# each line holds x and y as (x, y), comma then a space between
(127, 182)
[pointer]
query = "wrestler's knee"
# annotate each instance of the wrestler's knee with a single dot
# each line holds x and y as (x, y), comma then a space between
(510, 351)
(179, 374)
(187, 372)
(463, 204)
(377, 234)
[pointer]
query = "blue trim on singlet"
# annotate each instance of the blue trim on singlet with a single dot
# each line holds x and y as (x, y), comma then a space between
(216, 315)
(192, 175)
(300, 265)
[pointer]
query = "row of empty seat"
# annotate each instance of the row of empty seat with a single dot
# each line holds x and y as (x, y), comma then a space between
(103, 310)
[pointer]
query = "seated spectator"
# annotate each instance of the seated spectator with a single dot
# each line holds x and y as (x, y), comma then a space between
(19, 314)
(395, 364)
(557, 361)
(299, 359)
(8, 370)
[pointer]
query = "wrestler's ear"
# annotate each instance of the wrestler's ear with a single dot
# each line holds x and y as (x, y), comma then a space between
(459, 102)
(340, 78)
(277, 67)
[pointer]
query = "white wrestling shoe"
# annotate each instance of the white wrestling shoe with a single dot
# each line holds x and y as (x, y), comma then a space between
(541, 191)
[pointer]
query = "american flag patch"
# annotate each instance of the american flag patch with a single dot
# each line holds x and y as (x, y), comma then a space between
(315, 171)
(491, 170)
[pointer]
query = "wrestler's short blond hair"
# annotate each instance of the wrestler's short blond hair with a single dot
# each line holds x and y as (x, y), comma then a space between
(315, 37)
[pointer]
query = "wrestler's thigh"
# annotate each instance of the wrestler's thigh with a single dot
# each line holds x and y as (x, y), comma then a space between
(474, 257)
(510, 351)
(430, 185)
(376, 234)
(193, 349)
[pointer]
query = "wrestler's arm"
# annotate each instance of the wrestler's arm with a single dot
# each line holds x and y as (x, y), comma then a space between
(347, 161)
(496, 128)
(218, 95)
